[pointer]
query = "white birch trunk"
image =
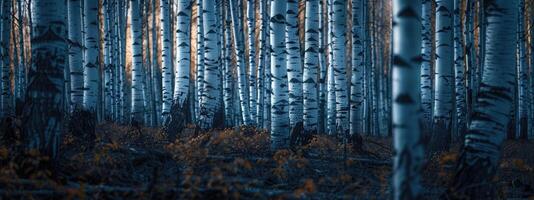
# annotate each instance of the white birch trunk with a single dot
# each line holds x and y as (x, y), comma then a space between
(75, 52)
(408, 157)
(426, 67)
(43, 118)
(311, 66)
(166, 59)
(523, 78)
(252, 71)
(137, 102)
(200, 57)
(260, 117)
(239, 47)
(356, 92)
(182, 60)
(338, 57)
(212, 60)
(91, 56)
(279, 80)
(444, 76)
(5, 68)
(228, 86)
(459, 73)
(294, 63)
(481, 152)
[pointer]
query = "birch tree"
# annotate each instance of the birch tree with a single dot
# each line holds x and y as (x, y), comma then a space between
(166, 59)
(479, 159)
(156, 70)
(331, 101)
(21, 72)
(459, 73)
(322, 69)
(356, 91)
(228, 84)
(311, 67)
(267, 79)
(279, 98)
(331, 96)
(338, 57)
(6, 97)
(117, 84)
(200, 56)
(108, 59)
(406, 99)
(294, 63)
(262, 65)
(426, 67)
(523, 78)
(137, 106)
(239, 48)
(252, 71)
(182, 60)
(443, 99)
(123, 91)
(212, 60)
(91, 56)
(43, 116)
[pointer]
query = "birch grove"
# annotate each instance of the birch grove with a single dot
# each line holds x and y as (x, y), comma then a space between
(415, 84)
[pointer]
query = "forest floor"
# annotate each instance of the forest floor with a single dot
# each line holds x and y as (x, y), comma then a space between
(127, 163)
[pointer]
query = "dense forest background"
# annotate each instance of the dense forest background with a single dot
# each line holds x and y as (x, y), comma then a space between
(201, 99)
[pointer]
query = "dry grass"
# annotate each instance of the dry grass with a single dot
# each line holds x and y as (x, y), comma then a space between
(228, 164)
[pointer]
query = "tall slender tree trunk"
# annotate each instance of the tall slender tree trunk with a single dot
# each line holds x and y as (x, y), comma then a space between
(267, 79)
(116, 61)
(279, 83)
(471, 55)
(356, 92)
(338, 57)
(294, 63)
(75, 52)
(166, 59)
(108, 60)
(252, 71)
(182, 61)
(443, 81)
(91, 56)
(408, 159)
(137, 106)
(426, 69)
(459, 70)
(148, 84)
(156, 70)
(212, 59)
(523, 78)
(5, 68)
(331, 105)
(123, 83)
(366, 83)
(311, 66)
(331, 98)
(228, 86)
(200, 56)
(479, 160)
(22, 51)
(322, 69)
(239, 47)
(262, 54)
(44, 112)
